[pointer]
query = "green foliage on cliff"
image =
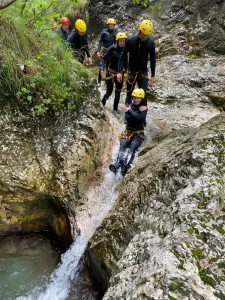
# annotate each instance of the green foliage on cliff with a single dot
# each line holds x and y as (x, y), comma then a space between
(148, 4)
(36, 68)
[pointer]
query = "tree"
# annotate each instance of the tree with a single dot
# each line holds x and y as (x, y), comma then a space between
(6, 3)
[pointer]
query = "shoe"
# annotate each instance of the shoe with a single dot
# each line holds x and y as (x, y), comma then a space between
(103, 102)
(112, 168)
(123, 170)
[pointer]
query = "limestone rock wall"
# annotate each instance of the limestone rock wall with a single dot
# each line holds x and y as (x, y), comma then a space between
(164, 238)
(46, 164)
(180, 27)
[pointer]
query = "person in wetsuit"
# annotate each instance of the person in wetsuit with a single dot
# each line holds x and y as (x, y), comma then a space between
(133, 137)
(110, 59)
(63, 31)
(78, 42)
(138, 47)
(107, 39)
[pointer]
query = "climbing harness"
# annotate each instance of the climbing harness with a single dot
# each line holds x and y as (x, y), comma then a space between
(103, 51)
(111, 75)
(134, 76)
(128, 134)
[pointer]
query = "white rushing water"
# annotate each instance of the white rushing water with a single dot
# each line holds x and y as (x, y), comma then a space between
(59, 285)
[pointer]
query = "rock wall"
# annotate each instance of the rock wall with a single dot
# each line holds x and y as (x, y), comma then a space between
(180, 27)
(164, 238)
(46, 164)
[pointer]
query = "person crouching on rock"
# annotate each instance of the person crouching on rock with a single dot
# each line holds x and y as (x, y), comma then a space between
(132, 138)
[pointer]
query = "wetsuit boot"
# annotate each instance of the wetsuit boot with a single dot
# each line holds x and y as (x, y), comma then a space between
(127, 162)
(113, 168)
(123, 170)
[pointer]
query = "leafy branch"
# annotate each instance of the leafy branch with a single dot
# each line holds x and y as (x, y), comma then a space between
(41, 13)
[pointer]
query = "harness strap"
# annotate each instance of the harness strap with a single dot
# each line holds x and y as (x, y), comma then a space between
(103, 51)
(127, 134)
(135, 77)
(112, 76)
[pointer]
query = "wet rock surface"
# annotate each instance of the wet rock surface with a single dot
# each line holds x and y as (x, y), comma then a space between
(164, 238)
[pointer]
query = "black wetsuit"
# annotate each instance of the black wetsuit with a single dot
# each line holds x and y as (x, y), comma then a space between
(79, 44)
(110, 60)
(107, 39)
(63, 33)
(133, 137)
(138, 62)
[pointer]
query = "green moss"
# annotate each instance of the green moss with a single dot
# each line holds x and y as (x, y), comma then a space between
(176, 253)
(198, 254)
(187, 244)
(219, 228)
(180, 287)
(181, 266)
(142, 282)
(213, 259)
(193, 231)
(171, 297)
(221, 265)
(203, 225)
(220, 295)
(205, 277)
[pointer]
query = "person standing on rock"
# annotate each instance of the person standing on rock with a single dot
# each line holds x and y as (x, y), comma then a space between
(107, 39)
(138, 48)
(78, 42)
(63, 31)
(132, 138)
(110, 59)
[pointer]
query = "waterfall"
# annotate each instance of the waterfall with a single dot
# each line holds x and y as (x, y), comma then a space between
(58, 287)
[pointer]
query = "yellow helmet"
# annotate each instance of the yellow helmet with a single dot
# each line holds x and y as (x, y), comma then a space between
(111, 21)
(139, 93)
(80, 25)
(146, 27)
(121, 35)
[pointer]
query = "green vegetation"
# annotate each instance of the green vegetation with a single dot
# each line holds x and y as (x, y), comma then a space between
(219, 228)
(148, 4)
(194, 56)
(180, 287)
(36, 68)
(171, 297)
(198, 254)
(205, 277)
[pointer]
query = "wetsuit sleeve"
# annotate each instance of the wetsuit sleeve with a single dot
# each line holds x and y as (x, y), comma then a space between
(152, 60)
(104, 60)
(100, 42)
(87, 51)
(139, 116)
(70, 40)
(86, 47)
(114, 41)
(123, 57)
